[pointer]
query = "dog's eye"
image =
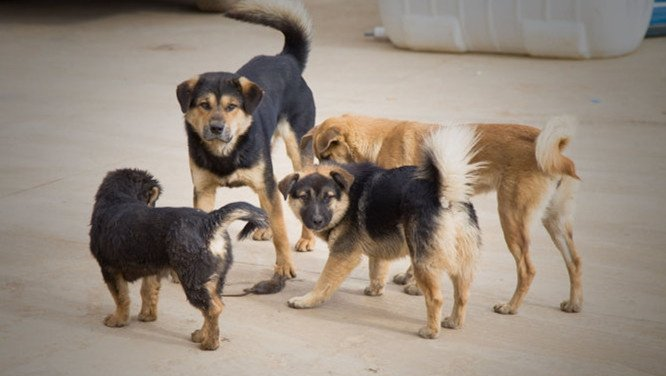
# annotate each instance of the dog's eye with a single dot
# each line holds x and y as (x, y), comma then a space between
(205, 106)
(329, 195)
(302, 196)
(230, 107)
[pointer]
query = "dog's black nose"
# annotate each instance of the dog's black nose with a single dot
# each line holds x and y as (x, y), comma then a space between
(317, 220)
(216, 128)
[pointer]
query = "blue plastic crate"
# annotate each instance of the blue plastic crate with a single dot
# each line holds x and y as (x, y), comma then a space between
(658, 21)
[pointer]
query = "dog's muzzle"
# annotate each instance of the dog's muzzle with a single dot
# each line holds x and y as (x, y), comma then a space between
(217, 130)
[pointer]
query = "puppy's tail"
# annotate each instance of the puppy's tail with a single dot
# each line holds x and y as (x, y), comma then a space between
(550, 143)
(255, 217)
(447, 160)
(287, 16)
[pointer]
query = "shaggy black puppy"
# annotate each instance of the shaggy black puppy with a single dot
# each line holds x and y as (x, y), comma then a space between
(132, 239)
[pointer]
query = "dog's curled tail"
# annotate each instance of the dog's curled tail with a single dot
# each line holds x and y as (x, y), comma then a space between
(255, 217)
(447, 159)
(287, 16)
(550, 143)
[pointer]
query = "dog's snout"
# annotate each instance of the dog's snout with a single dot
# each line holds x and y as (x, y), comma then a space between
(317, 220)
(216, 127)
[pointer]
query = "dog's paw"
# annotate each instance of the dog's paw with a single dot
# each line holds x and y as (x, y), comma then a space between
(450, 323)
(262, 234)
(286, 270)
(305, 245)
(210, 344)
(148, 316)
(374, 290)
(412, 289)
(116, 321)
(304, 301)
(428, 333)
(173, 277)
(504, 309)
(197, 336)
(571, 307)
(402, 278)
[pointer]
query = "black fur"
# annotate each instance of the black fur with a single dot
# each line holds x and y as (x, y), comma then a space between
(286, 96)
(132, 239)
(382, 200)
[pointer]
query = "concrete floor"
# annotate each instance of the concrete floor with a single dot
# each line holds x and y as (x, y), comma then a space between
(88, 87)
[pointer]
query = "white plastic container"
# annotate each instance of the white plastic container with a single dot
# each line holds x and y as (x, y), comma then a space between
(550, 28)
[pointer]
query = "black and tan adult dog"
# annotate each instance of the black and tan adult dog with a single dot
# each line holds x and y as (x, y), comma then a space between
(132, 239)
(231, 118)
(423, 211)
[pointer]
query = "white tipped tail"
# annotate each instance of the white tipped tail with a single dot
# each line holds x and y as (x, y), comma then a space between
(447, 158)
(550, 143)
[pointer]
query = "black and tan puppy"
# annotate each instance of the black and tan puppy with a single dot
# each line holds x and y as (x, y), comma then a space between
(231, 118)
(423, 211)
(523, 164)
(132, 239)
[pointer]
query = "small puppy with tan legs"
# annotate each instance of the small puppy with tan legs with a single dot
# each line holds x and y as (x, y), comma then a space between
(132, 239)
(523, 164)
(421, 211)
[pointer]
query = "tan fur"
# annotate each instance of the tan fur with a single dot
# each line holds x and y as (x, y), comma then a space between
(209, 334)
(455, 247)
(510, 168)
(227, 109)
(120, 293)
(150, 290)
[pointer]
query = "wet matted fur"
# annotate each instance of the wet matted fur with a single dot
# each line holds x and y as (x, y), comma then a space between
(131, 239)
(231, 118)
(423, 211)
(523, 164)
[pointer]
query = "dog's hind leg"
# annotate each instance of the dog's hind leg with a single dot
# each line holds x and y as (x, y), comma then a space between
(150, 290)
(120, 292)
(461, 285)
(378, 272)
(428, 280)
(516, 209)
(557, 220)
(209, 335)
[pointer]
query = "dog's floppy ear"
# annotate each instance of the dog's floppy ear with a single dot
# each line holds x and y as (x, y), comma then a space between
(153, 195)
(330, 138)
(287, 183)
(342, 178)
(252, 94)
(184, 93)
(307, 138)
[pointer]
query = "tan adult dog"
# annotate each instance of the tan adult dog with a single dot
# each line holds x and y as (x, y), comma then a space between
(522, 163)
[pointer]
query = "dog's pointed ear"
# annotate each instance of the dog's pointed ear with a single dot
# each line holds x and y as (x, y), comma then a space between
(287, 183)
(252, 94)
(342, 178)
(153, 195)
(184, 93)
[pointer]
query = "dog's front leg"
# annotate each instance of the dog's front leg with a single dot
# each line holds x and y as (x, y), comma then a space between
(378, 272)
(271, 203)
(337, 268)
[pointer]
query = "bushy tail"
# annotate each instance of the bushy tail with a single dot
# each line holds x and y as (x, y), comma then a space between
(255, 217)
(287, 16)
(447, 159)
(550, 143)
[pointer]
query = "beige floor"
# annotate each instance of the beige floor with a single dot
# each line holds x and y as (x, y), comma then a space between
(85, 88)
